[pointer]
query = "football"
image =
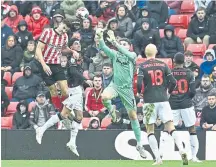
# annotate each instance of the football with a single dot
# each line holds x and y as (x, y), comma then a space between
(82, 13)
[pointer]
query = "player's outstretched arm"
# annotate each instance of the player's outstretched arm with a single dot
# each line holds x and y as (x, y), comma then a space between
(38, 53)
(192, 86)
(171, 79)
(140, 77)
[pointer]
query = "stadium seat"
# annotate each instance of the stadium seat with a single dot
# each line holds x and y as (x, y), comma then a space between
(15, 76)
(94, 20)
(6, 122)
(197, 49)
(31, 105)
(179, 21)
(211, 46)
(85, 122)
(161, 31)
(182, 34)
(105, 122)
(187, 6)
(7, 77)
(9, 91)
(198, 61)
(86, 74)
(11, 108)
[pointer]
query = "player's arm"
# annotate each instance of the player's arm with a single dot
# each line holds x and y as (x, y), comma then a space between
(171, 79)
(192, 86)
(140, 77)
(38, 53)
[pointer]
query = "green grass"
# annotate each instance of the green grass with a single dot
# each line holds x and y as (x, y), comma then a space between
(94, 163)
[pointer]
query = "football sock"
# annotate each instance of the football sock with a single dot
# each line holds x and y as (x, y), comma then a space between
(74, 131)
(177, 141)
(163, 139)
(108, 104)
(194, 144)
(154, 145)
(52, 121)
(136, 128)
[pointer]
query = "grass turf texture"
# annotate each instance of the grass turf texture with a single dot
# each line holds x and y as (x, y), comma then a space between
(101, 163)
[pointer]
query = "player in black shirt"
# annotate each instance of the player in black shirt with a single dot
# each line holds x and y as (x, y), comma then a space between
(157, 78)
(181, 101)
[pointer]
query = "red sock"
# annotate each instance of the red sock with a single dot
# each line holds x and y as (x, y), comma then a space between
(56, 102)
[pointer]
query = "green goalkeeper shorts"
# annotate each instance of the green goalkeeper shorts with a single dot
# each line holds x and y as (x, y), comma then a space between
(126, 95)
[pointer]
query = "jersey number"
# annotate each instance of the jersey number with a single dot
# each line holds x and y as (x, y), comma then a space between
(156, 77)
(182, 86)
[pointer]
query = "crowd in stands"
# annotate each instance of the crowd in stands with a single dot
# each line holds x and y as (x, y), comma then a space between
(187, 26)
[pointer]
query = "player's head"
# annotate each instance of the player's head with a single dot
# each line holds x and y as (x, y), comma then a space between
(125, 43)
(64, 26)
(212, 99)
(97, 81)
(107, 69)
(151, 51)
(179, 59)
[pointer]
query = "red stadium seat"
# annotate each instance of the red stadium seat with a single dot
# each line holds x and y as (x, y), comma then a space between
(86, 74)
(105, 122)
(197, 49)
(15, 76)
(161, 33)
(187, 6)
(211, 46)
(11, 108)
(179, 21)
(198, 61)
(94, 20)
(9, 91)
(85, 122)
(182, 34)
(168, 61)
(31, 105)
(6, 122)
(7, 77)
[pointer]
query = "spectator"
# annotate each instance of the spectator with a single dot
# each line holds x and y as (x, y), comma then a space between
(145, 13)
(70, 8)
(201, 3)
(213, 76)
(124, 22)
(106, 9)
(94, 123)
(210, 61)
(170, 44)
(11, 55)
(49, 7)
(75, 27)
(107, 76)
(57, 18)
(211, 13)
(5, 8)
(189, 61)
(21, 117)
(211, 9)
(93, 101)
(133, 10)
(27, 86)
(4, 98)
(174, 6)
(91, 6)
(101, 24)
(23, 36)
(208, 117)
(36, 22)
(145, 36)
(29, 55)
(159, 11)
(95, 68)
(41, 112)
(25, 6)
(198, 29)
(6, 31)
(13, 18)
(200, 99)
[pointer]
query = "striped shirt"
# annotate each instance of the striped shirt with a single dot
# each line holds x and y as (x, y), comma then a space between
(54, 43)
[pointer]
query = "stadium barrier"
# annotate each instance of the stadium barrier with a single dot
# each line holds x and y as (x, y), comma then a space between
(95, 145)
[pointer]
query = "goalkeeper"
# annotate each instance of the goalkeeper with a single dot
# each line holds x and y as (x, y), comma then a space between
(123, 66)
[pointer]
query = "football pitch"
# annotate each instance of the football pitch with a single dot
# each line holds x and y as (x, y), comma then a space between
(98, 163)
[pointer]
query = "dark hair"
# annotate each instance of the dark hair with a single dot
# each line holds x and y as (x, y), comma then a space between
(107, 65)
(97, 76)
(66, 22)
(103, 22)
(200, 9)
(31, 42)
(189, 53)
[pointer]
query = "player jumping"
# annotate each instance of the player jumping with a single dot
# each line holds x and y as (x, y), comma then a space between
(157, 77)
(181, 101)
(124, 65)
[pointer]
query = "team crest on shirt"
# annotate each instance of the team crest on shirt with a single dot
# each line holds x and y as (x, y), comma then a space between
(122, 60)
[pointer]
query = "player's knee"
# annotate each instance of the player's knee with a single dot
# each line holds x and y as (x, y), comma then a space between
(53, 90)
(150, 129)
(169, 126)
(64, 91)
(132, 115)
(192, 129)
(79, 115)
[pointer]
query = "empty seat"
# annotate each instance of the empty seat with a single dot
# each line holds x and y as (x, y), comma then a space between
(7, 77)
(6, 122)
(31, 105)
(161, 33)
(182, 34)
(11, 108)
(105, 122)
(211, 46)
(197, 49)
(85, 122)
(198, 61)
(187, 6)
(179, 21)
(9, 91)
(15, 76)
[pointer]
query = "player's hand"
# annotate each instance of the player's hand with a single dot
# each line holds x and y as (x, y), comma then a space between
(99, 33)
(95, 113)
(139, 95)
(214, 127)
(47, 70)
(89, 82)
(75, 54)
(139, 56)
(199, 40)
(111, 36)
(91, 112)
